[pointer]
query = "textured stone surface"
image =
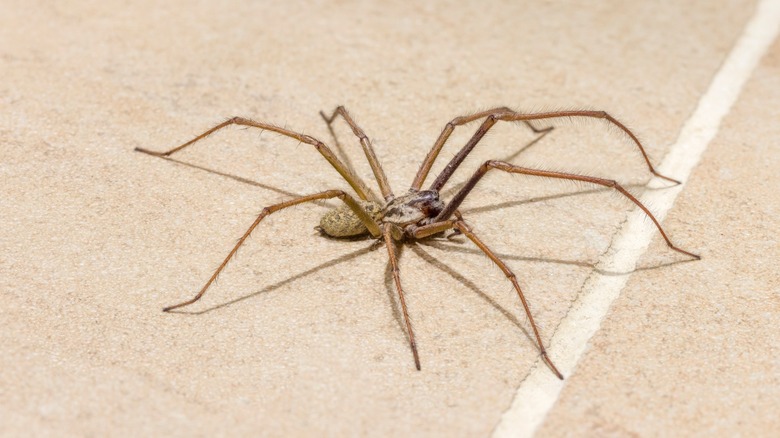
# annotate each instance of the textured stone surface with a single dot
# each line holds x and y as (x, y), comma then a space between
(302, 335)
(693, 348)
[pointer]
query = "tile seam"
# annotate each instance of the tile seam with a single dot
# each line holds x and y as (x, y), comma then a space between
(539, 391)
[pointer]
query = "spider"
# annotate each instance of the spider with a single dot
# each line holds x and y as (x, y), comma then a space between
(420, 213)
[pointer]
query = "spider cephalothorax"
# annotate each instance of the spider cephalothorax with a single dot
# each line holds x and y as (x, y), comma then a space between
(419, 214)
(415, 208)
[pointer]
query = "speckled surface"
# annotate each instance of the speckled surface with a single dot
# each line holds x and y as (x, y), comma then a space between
(698, 338)
(302, 335)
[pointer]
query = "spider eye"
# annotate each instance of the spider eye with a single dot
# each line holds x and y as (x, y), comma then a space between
(428, 203)
(428, 195)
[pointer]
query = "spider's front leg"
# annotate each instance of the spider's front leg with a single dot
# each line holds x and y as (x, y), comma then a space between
(368, 220)
(491, 118)
(507, 115)
(357, 185)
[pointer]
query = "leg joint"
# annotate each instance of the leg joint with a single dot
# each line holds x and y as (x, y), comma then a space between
(313, 141)
(490, 164)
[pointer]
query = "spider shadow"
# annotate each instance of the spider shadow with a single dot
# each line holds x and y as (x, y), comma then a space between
(468, 284)
(530, 144)
(592, 265)
(439, 244)
(392, 293)
(270, 288)
(238, 178)
(438, 264)
(518, 202)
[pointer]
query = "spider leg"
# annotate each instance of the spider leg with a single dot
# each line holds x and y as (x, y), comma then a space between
(461, 226)
(507, 115)
(450, 209)
(370, 223)
(593, 115)
(345, 158)
(466, 230)
(430, 229)
(425, 168)
(387, 234)
(365, 142)
(357, 185)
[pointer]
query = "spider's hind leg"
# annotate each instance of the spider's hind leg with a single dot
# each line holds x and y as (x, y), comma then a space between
(369, 221)
(491, 117)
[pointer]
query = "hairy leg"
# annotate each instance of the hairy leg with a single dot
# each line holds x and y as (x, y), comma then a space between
(507, 115)
(425, 168)
(430, 229)
(323, 149)
(387, 234)
(368, 149)
(370, 223)
(450, 209)
(466, 230)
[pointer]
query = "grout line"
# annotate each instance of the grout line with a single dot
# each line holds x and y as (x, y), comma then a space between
(537, 394)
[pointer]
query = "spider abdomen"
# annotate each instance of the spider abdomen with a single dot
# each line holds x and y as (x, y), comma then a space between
(343, 222)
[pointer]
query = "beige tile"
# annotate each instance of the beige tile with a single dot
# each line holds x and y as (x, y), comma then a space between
(691, 349)
(302, 335)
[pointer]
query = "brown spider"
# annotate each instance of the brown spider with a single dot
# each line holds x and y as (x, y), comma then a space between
(418, 213)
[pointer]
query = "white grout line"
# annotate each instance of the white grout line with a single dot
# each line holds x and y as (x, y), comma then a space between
(540, 390)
